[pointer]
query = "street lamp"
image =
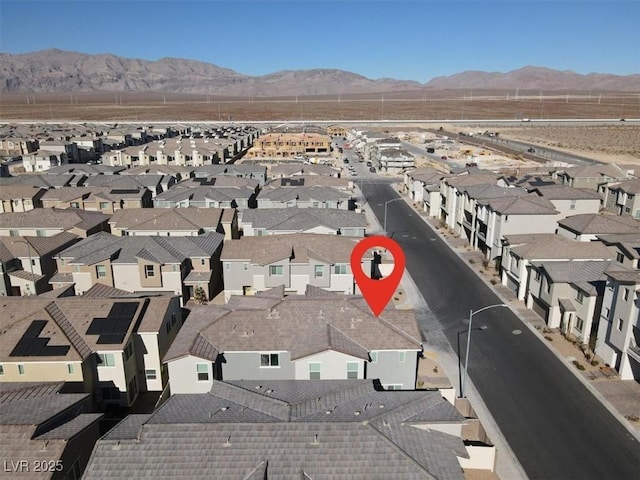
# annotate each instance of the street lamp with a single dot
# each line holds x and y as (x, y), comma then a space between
(466, 359)
(385, 211)
(30, 261)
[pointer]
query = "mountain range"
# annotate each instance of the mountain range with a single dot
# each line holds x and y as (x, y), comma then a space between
(63, 71)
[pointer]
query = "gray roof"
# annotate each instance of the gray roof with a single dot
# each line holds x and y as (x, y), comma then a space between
(565, 192)
(36, 410)
(300, 325)
(44, 218)
(300, 219)
(594, 223)
(156, 249)
(179, 193)
(487, 191)
(321, 194)
(525, 205)
(545, 246)
(326, 429)
(584, 275)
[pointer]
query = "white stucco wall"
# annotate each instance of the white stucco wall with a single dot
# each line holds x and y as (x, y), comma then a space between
(333, 365)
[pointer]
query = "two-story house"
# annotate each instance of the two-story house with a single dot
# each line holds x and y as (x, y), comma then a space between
(174, 222)
(248, 171)
(97, 199)
(220, 192)
(256, 264)
(622, 198)
(450, 193)
(47, 222)
(520, 251)
(178, 265)
(296, 338)
(305, 197)
(27, 263)
(20, 198)
(278, 221)
(587, 227)
(92, 343)
(618, 340)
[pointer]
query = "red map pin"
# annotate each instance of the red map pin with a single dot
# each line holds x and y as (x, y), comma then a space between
(377, 293)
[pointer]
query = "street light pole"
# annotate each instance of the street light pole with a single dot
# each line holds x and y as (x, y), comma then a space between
(385, 211)
(466, 358)
(30, 261)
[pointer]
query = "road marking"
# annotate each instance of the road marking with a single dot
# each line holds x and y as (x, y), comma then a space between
(517, 332)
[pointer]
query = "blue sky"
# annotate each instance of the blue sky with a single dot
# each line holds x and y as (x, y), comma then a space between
(408, 40)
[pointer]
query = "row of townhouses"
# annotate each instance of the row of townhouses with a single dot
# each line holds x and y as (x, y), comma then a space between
(563, 240)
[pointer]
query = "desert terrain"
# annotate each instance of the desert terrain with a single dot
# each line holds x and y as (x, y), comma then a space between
(618, 143)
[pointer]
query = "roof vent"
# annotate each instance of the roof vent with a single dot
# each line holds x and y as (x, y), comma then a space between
(357, 412)
(315, 440)
(227, 443)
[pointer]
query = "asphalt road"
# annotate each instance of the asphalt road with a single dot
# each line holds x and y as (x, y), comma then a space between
(553, 423)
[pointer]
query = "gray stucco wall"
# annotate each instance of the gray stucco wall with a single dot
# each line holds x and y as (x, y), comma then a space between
(391, 371)
(246, 366)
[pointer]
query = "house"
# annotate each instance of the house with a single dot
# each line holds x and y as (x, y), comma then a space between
(336, 130)
(178, 172)
(66, 149)
(45, 433)
(625, 248)
(571, 293)
(569, 200)
(175, 222)
(618, 338)
(256, 264)
(588, 226)
(311, 180)
(277, 221)
(178, 265)
(96, 345)
(154, 183)
(295, 337)
(20, 198)
(42, 160)
(414, 179)
(305, 197)
(249, 171)
(27, 263)
(97, 199)
(520, 251)
(622, 198)
(47, 222)
(41, 180)
(499, 217)
(450, 193)
(294, 170)
(16, 147)
(276, 429)
(594, 177)
(222, 192)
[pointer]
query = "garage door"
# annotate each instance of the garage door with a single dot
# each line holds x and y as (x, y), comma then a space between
(512, 285)
(540, 308)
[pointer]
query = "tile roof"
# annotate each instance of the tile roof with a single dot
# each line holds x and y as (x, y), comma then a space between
(628, 186)
(584, 275)
(595, 223)
(298, 181)
(286, 428)
(548, 246)
(11, 192)
(38, 246)
(299, 247)
(565, 192)
(623, 274)
(292, 170)
(297, 219)
(150, 219)
(321, 194)
(43, 218)
(525, 205)
(596, 171)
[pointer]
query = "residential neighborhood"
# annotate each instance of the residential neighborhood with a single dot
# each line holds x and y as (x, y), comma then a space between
(196, 281)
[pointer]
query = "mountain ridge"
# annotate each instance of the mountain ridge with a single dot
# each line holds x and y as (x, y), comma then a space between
(55, 70)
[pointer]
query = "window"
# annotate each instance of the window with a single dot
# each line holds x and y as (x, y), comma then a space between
(70, 368)
(620, 324)
(74, 205)
(14, 233)
(318, 271)
(579, 324)
(403, 356)
(627, 210)
(606, 312)
(41, 233)
(393, 387)
(314, 370)
(340, 269)
(352, 370)
(619, 257)
(203, 372)
(580, 296)
(101, 271)
(572, 205)
(20, 369)
(151, 374)
(104, 205)
(537, 275)
(275, 270)
(625, 294)
(245, 266)
(374, 357)
(107, 360)
(269, 360)
(149, 271)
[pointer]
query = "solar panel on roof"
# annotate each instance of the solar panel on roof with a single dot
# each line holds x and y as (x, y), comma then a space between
(32, 345)
(124, 191)
(113, 329)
